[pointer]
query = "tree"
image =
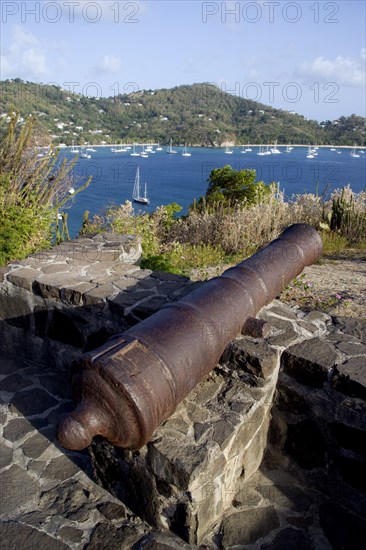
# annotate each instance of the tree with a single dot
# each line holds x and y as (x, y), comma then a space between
(231, 186)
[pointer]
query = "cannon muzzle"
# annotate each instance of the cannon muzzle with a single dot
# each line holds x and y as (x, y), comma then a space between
(128, 386)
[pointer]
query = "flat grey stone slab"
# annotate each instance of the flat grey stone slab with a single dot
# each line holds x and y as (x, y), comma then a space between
(247, 526)
(33, 402)
(290, 538)
(354, 327)
(36, 445)
(350, 377)
(310, 361)
(16, 536)
(113, 537)
(14, 383)
(17, 489)
(24, 277)
(60, 468)
(6, 455)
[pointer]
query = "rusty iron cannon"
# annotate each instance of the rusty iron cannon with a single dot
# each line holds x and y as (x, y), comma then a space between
(128, 386)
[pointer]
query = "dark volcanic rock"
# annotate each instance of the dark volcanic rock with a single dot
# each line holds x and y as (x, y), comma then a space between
(350, 377)
(350, 325)
(343, 530)
(17, 488)
(306, 444)
(33, 402)
(290, 539)
(108, 536)
(247, 526)
(310, 361)
(14, 536)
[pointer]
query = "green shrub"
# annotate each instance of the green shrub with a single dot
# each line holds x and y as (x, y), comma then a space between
(217, 233)
(347, 215)
(230, 187)
(32, 193)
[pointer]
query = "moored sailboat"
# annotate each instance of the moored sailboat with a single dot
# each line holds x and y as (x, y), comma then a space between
(136, 193)
(185, 152)
(170, 149)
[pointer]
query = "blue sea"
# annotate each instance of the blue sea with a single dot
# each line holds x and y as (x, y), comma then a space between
(175, 178)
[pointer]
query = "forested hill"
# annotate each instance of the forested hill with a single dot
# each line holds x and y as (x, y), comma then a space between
(198, 114)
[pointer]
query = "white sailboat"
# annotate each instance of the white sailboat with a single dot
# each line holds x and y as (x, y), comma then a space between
(354, 154)
(261, 151)
(170, 150)
(275, 150)
(136, 194)
(159, 148)
(119, 149)
(310, 154)
(74, 149)
(228, 151)
(149, 149)
(134, 154)
(185, 152)
(84, 154)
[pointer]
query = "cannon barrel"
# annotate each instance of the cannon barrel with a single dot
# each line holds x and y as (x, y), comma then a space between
(128, 386)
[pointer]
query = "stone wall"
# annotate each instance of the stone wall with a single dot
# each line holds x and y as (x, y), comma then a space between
(267, 452)
(186, 477)
(199, 467)
(319, 423)
(72, 298)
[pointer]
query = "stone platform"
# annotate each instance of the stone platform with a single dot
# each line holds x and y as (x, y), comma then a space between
(214, 476)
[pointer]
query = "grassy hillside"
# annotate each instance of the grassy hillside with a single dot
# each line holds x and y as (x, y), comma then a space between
(199, 114)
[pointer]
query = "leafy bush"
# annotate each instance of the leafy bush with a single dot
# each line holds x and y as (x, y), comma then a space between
(347, 214)
(152, 228)
(32, 192)
(230, 187)
(221, 234)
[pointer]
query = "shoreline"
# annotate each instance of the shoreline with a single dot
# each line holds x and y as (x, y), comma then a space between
(359, 148)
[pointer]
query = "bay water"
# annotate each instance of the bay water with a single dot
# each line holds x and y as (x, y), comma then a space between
(181, 179)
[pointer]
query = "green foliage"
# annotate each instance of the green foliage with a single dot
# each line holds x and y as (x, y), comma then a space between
(23, 230)
(231, 186)
(152, 228)
(199, 114)
(212, 236)
(32, 192)
(333, 243)
(347, 217)
(182, 258)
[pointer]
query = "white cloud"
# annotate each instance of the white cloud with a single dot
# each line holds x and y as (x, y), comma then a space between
(25, 56)
(342, 70)
(35, 61)
(22, 37)
(109, 64)
(363, 53)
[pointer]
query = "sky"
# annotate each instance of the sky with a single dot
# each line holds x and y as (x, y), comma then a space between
(304, 56)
